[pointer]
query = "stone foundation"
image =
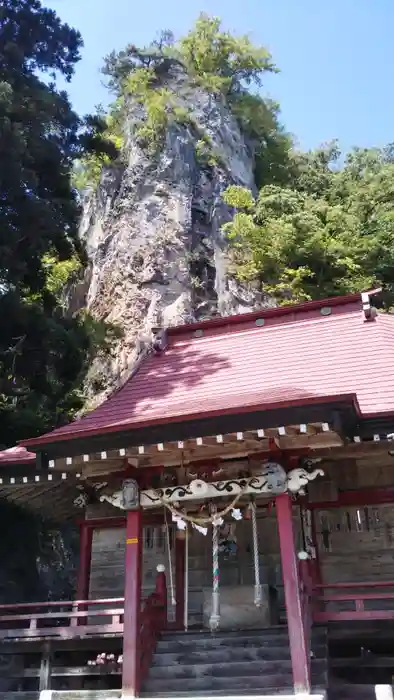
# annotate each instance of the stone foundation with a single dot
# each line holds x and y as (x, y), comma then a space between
(237, 608)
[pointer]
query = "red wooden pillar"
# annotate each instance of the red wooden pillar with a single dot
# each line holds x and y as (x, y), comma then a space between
(298, 648)
(85, 558)
(132, 605)
(180, 549)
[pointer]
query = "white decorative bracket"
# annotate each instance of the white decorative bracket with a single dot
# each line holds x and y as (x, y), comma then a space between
(272, 481)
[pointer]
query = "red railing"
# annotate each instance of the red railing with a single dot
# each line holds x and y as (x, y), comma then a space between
(153, 622)
(360, 602)
(306, 606)
(62, 619)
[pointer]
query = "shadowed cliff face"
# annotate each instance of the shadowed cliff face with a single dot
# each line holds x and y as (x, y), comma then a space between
(38, 562)
(157, 255)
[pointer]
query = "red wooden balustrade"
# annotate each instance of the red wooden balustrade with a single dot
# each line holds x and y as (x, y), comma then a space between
(350, 593)
(153, 622)
(62, 619)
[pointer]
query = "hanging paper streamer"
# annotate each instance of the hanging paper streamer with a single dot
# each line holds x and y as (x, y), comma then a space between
(215, 613)
(258, 593)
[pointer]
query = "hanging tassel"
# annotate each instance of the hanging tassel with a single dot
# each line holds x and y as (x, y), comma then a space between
(258, 593)
(214, 620)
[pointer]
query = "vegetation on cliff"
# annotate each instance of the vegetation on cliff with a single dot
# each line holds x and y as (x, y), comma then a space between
(224, 65)
(327, 230)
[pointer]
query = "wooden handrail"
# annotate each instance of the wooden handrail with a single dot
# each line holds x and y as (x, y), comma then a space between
(60, 615)
(363, 584)
(61, 603)
(341, 594)
(353, 597)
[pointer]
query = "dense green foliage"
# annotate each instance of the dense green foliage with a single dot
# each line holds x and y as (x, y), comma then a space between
(221, 63)
(43, 354)
(327, 230)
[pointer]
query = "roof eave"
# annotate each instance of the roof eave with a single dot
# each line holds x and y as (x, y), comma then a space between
(346, 399)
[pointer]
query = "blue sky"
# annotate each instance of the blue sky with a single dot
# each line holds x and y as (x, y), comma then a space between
(336, 57)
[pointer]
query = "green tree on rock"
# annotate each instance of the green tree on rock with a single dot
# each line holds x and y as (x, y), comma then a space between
(327, 230)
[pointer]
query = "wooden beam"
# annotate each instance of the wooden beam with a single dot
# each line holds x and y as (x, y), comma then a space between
(132, 605)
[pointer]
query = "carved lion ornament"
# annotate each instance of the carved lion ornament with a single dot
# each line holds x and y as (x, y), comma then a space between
(299, 477)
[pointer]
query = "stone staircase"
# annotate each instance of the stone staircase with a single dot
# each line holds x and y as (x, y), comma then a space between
(249, 662)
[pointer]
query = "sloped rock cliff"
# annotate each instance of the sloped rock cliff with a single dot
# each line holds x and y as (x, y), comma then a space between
(153, 231)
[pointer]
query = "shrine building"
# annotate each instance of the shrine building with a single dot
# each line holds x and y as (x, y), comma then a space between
(235, 504)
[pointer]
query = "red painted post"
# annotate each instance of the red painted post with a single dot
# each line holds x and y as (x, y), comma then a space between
(298, 647)
(161, 583)
(180, 550)
(132, 605)
(85, 558)
(161, 590)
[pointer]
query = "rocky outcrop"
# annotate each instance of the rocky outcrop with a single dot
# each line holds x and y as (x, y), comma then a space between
(153, 232)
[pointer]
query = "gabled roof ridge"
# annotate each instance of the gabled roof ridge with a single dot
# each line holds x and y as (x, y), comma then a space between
(248, 330)
(265, 312)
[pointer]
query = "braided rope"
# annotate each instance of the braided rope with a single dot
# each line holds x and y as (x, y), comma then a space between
(257, 585)
(170, 572)
(215, 613)
(206, 520)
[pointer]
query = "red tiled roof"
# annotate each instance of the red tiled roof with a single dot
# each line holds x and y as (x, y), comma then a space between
(297, 356)
(16, 455)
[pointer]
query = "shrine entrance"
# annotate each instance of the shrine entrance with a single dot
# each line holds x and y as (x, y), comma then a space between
(245, 573)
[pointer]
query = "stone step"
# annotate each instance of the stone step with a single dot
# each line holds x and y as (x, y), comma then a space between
(258, 692)
(220, 670)
(278, 631)
(226, 670)
(209, 643)
(252, 684)
(210, 684)
(229, 653)
(252, 632)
